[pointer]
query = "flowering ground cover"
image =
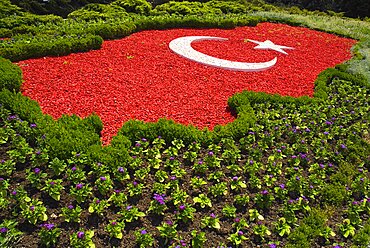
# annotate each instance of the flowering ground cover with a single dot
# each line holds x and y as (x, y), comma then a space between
(138, 77)
(298, 178)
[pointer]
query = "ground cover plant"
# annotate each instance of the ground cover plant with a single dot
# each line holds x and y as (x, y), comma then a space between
(288, 172)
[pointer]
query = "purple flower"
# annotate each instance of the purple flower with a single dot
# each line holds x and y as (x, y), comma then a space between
(251, 162)
(80, 235)
(144, 139)
(173, 178)
(337, 246)
(70, 206)
(137, 144)
(103, 178)
(114, 223)
(282, 186)
(32, 208)
(200, 162)
(212, 215)
(79, 186)
(97, 201)
(240, 233)
(326, 133)
(159, 198)
(236, 220)
(36, 170)
(33, 125)
(182, 207)
(265, 192)
(121, 170)
(74, 168)
(143, 232)
(278, 150)
(169, 222)
(14, 192)
(294, 156)
(172, 158)
(47, 226)
(210, 153)
(128, 207)
(328, 123)
(3, 230)
(134, 183)
(343, 146)
(235, 178)
(52, 183)
(272, 245)
(297, 178)
(38, 152)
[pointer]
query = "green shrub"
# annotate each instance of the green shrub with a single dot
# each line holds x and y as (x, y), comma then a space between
(134, 6)
(362, 237)
(10, 75)
(333, 194)
(24, 46)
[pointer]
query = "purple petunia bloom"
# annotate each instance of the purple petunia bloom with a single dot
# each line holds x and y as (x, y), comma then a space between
(79, 186)
(74, 168)
(32, 208)
(33, 125)
(128, 207)
(36, 170)
(134, 183)
(159, 198)
(264, 192)
(143, 232)
(121, 170)
(326, 133)
(47, 226)
(210, 153)
(172, 158)
(3, 230)
(235, 178)
(343, 146)
(103, 178)
(240, 233)
(114, 223)
(14, 192)
(282, 186)
(173, 178)
(212, 215)
(52, 183)
(80, 235)
(236, 220)
(70, 206)
(182, 207)
(272, 246)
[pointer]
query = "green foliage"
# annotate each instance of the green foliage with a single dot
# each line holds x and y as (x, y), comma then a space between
(333, 194)
(11, 75)
(24, 47)
(135, 6)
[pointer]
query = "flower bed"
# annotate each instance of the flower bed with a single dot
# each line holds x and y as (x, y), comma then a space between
(138, 77)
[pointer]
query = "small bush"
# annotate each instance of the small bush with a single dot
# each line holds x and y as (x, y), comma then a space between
(10, 75)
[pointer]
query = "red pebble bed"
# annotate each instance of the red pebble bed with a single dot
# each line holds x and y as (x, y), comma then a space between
(139, 77)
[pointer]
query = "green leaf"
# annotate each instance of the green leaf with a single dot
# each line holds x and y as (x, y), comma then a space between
(91, 209)
(119, 236)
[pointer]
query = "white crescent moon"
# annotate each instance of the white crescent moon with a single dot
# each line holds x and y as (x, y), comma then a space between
(182, 46)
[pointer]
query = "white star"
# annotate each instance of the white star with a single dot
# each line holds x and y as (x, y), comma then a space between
(267, 44)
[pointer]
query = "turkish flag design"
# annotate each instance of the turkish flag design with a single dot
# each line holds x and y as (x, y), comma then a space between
(139, 77)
